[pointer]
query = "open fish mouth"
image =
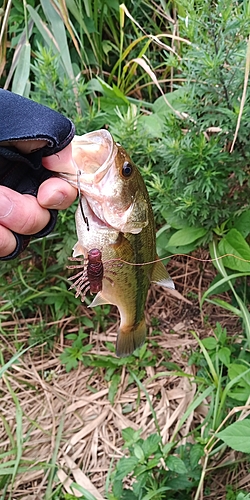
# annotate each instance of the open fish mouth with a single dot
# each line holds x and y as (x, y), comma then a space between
(93, 155)
(95, 152)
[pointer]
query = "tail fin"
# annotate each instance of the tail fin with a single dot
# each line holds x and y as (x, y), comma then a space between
(129, 338)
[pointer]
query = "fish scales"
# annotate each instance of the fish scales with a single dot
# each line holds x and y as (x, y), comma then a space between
(115, 200)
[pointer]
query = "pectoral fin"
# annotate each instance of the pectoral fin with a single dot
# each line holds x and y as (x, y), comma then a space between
(77, 250)
(161, 276)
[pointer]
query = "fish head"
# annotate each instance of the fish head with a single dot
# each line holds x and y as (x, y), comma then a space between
(110, 182)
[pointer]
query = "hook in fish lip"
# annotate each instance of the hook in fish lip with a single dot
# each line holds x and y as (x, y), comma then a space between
(79, 173)
(86, 220)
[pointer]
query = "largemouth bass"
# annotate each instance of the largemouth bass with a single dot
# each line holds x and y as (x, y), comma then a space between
(115, 201)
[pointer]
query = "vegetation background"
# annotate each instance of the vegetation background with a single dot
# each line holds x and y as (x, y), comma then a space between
(170, 82)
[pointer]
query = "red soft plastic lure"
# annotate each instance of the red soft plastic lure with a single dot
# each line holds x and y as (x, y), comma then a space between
(91, 275)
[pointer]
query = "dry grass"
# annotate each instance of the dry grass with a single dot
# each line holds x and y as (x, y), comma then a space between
(71, 412)
(91, 435)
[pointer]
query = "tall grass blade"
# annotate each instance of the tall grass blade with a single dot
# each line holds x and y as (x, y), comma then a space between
(45, 32)
(225, 305)
(245, 316)
(150, 72)
(5, 20)
(212, 289)
(12, 360)
(76, 11)
(16, 56)
(86, 494)
(59, 33)
(244, 94)
(156, 38)
(3, 36)
(133, 68)
(141, 386)
(123, 56)
(19, 430)
(22, 71)
(208, 359)
(197, 402)
(68, 24)
(53, 465)
(229, 386)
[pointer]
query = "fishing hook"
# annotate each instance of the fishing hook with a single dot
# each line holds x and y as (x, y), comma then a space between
(80, 201)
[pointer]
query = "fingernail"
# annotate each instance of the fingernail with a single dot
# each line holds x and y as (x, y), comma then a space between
(6, 206)
(58, 198)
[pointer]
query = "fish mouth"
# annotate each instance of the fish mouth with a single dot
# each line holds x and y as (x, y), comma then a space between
(93, 153)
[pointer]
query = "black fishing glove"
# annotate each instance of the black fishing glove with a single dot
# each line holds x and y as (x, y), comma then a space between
(23, 119)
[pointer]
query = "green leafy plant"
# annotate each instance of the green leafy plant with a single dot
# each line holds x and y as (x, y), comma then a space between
(109, 366)
(155, 470)
(230, 255)
(197, 181)
(225, 370)
(236, 436)
(72, 355)
(227, 373)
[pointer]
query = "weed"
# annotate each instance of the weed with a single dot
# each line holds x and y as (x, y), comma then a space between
(109, 366)
(154, 469)
(232, 262)
(72, 355)
(41, 334)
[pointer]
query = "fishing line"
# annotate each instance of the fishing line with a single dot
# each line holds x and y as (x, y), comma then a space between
(158, 259)
(177, 255)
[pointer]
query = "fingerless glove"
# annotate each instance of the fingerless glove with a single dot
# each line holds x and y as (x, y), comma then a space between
(23, 119)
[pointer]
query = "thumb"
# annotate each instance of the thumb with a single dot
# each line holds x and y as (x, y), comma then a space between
(61, 161)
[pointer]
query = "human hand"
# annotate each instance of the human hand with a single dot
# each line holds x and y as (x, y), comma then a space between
(26, 214)
(32, 137)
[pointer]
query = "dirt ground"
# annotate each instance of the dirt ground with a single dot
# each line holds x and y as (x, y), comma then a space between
(66, 419)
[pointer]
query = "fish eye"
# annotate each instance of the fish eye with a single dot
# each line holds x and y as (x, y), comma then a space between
(127, 169)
